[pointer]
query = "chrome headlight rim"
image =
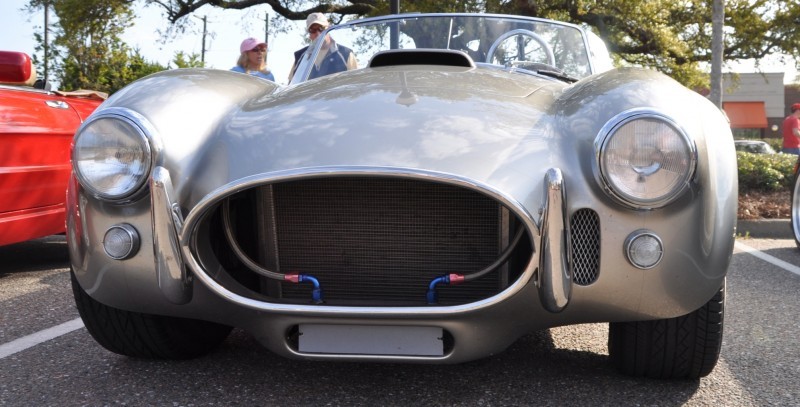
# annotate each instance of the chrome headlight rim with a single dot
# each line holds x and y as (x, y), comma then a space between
(145, 137)
(606, 134)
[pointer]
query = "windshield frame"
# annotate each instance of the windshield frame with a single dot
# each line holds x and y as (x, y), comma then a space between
(594, 63)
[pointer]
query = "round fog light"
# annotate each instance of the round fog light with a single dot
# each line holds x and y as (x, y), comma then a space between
(644, 249)
(121, 241)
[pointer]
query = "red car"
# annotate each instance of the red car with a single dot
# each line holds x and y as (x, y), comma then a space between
(36, 129)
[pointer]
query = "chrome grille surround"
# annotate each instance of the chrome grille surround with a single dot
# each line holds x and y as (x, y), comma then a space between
(195, 245)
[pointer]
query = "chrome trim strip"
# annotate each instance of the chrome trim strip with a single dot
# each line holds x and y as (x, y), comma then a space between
(555, 265)
(188, 239)
(57, 104)
(173, 280)
(795, 208)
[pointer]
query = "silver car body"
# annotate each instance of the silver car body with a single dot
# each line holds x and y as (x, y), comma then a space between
(520, 139)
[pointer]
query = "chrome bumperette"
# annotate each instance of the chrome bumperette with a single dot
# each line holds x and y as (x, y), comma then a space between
(555, 274)
(173, 280)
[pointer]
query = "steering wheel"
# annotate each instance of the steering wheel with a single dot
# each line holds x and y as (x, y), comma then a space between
(551, 59)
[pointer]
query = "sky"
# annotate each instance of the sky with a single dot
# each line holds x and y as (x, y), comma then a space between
(226, 30)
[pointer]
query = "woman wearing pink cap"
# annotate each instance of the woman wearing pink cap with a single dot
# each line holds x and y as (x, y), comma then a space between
(253, 59)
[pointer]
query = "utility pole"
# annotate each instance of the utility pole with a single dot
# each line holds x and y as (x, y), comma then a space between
(394, 33)
(266, 34)
(203, 49)
(203, 46)
(46, 40)
(266, 28)
(717, 49)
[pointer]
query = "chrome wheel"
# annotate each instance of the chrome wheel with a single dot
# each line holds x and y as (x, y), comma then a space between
(795, 214)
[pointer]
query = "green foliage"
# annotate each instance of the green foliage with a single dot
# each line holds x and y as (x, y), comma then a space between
(775, 143)
(765, 172)
(86, 51)
(182, 60)
(671, 36)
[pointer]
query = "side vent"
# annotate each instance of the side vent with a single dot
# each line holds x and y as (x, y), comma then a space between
(585, 225)
(397, 57)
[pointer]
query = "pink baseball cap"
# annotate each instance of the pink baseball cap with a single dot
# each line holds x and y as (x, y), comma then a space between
(250, 43)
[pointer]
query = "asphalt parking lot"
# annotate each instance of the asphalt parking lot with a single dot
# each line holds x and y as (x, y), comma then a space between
(48, 358)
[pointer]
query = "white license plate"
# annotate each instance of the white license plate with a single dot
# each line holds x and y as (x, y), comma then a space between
(371, 340)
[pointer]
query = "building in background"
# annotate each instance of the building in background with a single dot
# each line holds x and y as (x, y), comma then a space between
(755, 104)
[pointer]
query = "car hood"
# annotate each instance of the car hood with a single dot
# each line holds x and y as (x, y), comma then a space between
(476, 123)
(215, 131)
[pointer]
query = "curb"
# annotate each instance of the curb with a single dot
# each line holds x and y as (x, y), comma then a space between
(765, 228)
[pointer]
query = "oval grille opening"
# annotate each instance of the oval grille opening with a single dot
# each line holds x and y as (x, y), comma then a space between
(370, 241)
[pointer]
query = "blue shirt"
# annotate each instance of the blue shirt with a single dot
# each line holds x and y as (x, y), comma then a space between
(258, 74)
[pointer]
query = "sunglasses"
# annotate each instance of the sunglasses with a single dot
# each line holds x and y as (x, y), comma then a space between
(317, 29)
(258, 50)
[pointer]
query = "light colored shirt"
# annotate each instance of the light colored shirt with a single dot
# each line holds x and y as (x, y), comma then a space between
(263, 75)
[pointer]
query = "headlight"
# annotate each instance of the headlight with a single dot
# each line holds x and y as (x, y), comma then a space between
(645, 160)
(111, 156)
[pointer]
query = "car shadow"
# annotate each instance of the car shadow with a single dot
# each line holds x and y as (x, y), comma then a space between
(34, 255)
(533, 371)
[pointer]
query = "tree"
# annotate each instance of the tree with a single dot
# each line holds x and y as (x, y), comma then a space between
(671, 36)
(87, 52)
(182, 60)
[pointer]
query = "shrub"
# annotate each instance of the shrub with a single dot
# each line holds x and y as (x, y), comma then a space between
(775, 143)
(765, 172)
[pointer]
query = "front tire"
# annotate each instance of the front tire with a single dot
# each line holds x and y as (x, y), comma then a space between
(143, 335)
(685, 347)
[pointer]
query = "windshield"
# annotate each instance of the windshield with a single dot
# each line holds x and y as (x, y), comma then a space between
(491, 39)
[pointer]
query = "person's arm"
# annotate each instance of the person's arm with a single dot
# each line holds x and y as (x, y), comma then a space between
(352, 63)
(291, 72)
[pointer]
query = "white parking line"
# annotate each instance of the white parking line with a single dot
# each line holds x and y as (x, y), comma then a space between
(763, 256)
(19, 345)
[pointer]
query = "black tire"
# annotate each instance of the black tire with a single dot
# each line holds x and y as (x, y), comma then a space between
(146, 336)
(685, 347)
(795, 214)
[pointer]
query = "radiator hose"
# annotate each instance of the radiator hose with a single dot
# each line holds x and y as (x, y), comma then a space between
(454, 278)
(316, 291)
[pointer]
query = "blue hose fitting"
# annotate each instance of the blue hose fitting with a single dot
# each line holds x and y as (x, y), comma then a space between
(432, 296)
(316, 292)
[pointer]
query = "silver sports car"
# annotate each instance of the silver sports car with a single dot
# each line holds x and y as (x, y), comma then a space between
(476, 178)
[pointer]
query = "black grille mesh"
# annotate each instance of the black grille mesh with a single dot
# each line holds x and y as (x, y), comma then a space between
(585, 225)
(382, 240)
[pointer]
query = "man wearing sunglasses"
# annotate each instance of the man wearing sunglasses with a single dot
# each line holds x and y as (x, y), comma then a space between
(332, 57)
